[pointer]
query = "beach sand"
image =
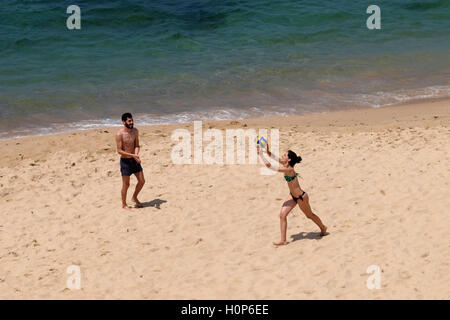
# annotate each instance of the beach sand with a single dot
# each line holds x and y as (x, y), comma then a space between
(378, 178)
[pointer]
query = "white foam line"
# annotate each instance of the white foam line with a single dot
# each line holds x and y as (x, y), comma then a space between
(374, 100)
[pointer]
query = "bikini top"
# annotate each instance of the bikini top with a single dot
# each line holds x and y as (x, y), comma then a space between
(289, 179)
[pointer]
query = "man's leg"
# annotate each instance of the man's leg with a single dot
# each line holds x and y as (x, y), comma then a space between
(125, 186)
(139, 186)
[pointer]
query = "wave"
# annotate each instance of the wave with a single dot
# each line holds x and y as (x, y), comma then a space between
(324, 104)
(383, 99)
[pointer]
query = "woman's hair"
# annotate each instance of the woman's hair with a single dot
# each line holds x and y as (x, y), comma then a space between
(293, 158)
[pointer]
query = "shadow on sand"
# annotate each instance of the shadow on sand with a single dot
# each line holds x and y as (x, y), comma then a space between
(309, 235)
(154, 203)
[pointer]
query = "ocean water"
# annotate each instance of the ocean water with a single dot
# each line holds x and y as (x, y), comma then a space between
(173, 61)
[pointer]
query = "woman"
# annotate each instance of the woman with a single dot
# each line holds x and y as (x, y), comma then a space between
(297, 195)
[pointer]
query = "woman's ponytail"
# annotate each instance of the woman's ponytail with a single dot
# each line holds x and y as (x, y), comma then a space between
(293, 158)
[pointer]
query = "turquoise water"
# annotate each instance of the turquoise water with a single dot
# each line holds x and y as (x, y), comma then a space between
(170, 61)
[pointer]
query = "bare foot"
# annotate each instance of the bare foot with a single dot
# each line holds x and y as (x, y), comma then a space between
(138, 203)
(281, 243)
(125, 207)
(323, 232)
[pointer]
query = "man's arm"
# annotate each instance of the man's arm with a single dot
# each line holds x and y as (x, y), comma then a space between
(137, 146)
(119, 147)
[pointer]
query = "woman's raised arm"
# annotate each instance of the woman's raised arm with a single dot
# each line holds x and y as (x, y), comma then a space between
(277, 167)
(271, 154)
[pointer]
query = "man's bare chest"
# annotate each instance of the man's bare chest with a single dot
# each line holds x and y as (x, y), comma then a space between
(128, 138)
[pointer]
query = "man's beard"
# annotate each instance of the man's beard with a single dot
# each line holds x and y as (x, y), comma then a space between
(129, 126)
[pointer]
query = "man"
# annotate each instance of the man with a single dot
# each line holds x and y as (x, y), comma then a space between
(127, 139)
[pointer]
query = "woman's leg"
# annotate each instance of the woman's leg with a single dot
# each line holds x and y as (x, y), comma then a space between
(288, 205)
(306, 208)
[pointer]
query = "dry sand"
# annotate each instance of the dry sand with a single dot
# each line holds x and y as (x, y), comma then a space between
(378, 178)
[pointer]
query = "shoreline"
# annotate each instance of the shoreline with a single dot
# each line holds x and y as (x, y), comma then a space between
(359, 119)
(101, 126)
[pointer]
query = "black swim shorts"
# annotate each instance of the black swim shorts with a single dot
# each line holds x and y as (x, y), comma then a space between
(129, 166)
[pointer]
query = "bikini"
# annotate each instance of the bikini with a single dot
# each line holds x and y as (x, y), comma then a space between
(289, 179)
